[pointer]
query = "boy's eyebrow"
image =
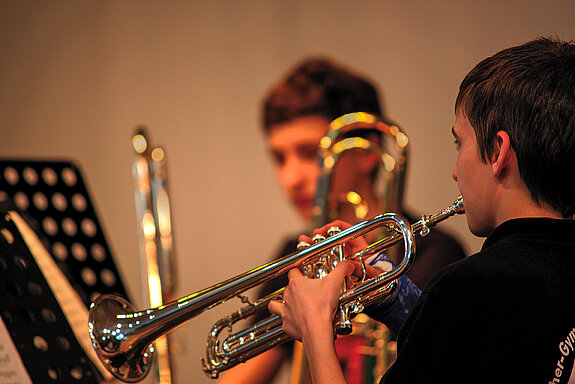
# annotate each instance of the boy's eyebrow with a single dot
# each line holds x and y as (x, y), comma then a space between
(453, 132)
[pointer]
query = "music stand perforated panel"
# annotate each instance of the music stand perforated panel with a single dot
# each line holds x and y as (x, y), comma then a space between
(39, 329)
(55, 196)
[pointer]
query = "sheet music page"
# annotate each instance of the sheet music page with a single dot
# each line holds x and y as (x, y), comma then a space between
(70, 302)
(12, 370)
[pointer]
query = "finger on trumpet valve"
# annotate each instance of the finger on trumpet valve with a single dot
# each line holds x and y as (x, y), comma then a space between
(303, 245)
(317, 238)
(333, 230)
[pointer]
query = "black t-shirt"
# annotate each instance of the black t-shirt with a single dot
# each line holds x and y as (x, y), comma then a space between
(503, 315)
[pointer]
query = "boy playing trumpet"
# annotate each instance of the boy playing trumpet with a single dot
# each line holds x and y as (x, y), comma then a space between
(505, 314)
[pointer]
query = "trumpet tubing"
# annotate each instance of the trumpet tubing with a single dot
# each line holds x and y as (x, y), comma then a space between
(122, 336)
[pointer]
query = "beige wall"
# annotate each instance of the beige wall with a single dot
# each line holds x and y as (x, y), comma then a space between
(76, 77)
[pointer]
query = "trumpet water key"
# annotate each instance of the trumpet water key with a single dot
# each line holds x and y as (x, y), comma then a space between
(122, 336)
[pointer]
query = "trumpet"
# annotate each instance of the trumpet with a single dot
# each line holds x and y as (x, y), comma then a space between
(122, 336)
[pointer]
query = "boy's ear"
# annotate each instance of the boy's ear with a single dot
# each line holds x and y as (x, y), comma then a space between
(503, 153)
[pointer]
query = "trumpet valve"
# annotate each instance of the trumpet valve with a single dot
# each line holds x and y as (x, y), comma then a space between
(317, 238)
(309, 271)
(306, 269)
(320, 270)
(342, 323)
(302, 245)
(333, 231)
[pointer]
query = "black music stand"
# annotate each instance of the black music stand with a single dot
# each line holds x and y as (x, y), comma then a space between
(53, 199)
(54, 196)
(32, 316)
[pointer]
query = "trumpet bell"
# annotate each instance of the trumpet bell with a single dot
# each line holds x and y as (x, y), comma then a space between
(127, 362)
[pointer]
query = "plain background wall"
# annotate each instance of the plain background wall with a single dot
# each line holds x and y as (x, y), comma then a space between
(76, 78)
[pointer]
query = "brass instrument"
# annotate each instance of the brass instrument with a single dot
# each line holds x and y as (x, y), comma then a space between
(344, 134)
(155, 235)
(390, 145)
(122, 336)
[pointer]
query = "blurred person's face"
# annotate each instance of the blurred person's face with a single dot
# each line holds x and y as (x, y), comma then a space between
(294, 148)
